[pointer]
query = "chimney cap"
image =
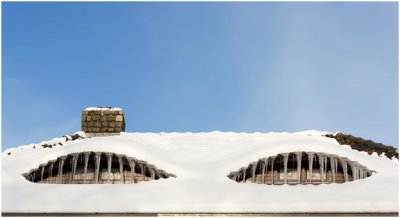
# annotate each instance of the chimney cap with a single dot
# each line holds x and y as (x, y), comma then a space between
(103, 121)
(102, 109)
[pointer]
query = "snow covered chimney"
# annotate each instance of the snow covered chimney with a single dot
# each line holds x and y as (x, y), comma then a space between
(103, 121)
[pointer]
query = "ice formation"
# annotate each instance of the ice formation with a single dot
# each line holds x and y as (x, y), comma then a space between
(326, 175)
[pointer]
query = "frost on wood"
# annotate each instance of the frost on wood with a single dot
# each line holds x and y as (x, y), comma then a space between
(301, 168)
(95, 168)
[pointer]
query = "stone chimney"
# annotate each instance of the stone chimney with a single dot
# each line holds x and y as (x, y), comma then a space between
(103, 121)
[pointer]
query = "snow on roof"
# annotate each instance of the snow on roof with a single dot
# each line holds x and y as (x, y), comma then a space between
(102, 108)
(201, 162)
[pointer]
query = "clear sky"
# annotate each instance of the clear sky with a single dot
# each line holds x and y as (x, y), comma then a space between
(194, 67)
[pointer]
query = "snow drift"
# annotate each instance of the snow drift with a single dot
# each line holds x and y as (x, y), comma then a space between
(201, 163)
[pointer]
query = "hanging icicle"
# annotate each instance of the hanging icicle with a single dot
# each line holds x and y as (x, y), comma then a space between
(266, 171)
(361, 172)
(51, 169)
(132, 166)
(74, 163)
(97, 157)
(321, 166)
(87, 154)
(152, 174)
(310, 164)
(253, 172)
(298, 157)
(41, 174)
(262, 170)
(343, 162)
(285, 161)
(326, 167)
(244, 175)
(333, 168)
(60, 168)
(272, 170)
(109, 162)
(142, 170)
(121, 169)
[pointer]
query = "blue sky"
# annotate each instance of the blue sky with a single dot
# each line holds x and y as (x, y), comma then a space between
(241, 67)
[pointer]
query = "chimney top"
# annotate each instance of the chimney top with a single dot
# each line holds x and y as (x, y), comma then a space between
(103, 121)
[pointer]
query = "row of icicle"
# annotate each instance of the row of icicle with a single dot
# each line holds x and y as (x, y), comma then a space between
(154, 173)
(358, 171)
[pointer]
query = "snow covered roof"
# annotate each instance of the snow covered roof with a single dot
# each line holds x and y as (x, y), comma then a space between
(201, 163)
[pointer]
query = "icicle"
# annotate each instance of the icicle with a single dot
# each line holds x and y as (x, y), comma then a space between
(142, 171)
(51, 169)
(333, 167)
(109, 162)
(152, 174)
(321, 166)
(326, 166)
(361, 173)
(74, 162)
(253, 173)
(132, 166)
(285, 161)
(244, 175)
(310, 164)
(41, 175)
(353, 173)
(344, 167)
(336, 166)
(357, 170)
(97, 157)
(87, 154)
(121, 168)
(262, 171)
(272, 170)
(60, 168)
(298, 157)
(33, 176)
(366, 172)
(266, 171)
